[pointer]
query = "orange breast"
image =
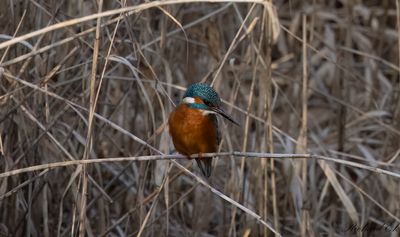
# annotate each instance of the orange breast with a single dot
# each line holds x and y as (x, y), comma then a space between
(192, 132)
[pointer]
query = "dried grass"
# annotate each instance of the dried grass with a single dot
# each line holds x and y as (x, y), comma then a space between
(86, 89)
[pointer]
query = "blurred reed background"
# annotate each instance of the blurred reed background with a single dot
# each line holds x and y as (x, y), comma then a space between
(318, 77)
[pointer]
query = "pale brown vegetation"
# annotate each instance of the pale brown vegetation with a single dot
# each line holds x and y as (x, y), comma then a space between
(86, 80)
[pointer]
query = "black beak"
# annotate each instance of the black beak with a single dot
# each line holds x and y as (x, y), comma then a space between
(225, 115)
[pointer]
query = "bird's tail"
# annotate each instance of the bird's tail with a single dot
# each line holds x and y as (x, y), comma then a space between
(205, 165)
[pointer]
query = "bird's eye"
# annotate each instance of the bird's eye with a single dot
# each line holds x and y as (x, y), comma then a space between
(208, 103)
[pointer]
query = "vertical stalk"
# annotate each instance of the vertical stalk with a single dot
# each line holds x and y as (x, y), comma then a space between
(89, 137)
(302, 139)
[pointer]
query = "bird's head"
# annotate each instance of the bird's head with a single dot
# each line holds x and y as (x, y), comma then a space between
(203, 97)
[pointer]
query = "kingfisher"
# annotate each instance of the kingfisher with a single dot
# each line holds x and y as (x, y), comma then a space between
(193, 124)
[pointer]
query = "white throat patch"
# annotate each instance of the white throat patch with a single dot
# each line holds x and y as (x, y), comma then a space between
(207, 112)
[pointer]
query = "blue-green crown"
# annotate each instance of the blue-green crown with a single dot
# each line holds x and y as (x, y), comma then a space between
(205, 92)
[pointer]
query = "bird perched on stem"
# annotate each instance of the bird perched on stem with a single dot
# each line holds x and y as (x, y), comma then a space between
(193, 124)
